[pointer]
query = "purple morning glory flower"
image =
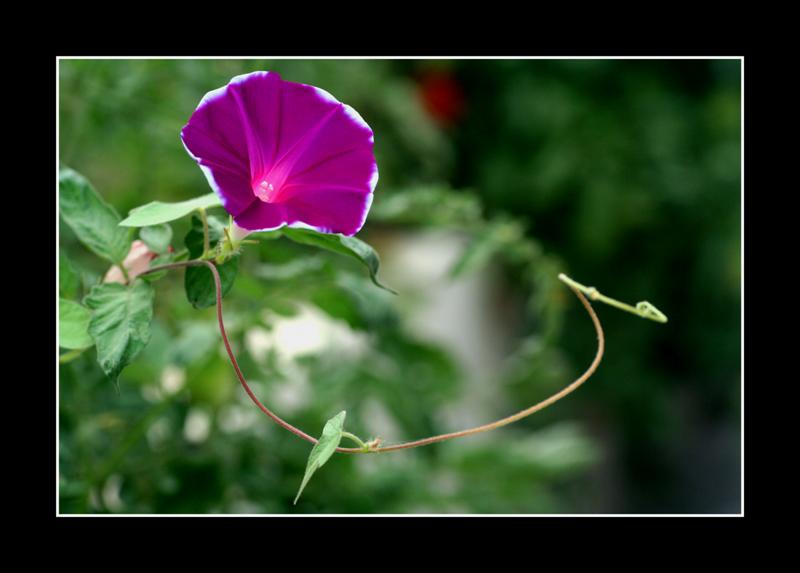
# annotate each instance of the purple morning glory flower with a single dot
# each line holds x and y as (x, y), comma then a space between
(281, 153)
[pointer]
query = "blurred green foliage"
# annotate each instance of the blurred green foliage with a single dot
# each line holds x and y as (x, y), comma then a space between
(621, 173)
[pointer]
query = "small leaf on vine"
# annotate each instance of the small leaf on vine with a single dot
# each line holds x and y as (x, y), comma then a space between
(324, 448)
(157, 212)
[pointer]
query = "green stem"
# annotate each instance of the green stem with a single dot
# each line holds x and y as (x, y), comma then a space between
(643, 309)
(206, 240)
(357, 440)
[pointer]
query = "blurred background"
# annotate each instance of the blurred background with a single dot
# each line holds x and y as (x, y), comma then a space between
(494, 177)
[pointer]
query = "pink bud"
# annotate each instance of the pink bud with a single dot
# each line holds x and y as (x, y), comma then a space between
(137, 261)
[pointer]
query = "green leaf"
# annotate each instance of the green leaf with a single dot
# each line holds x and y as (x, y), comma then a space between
(120, 323)
(95, 222)
(198, 281)
(73, 325)
(349, 246)
(324, 448)
(156, 237)
(157, 212)
(265, 235)
(68, 280)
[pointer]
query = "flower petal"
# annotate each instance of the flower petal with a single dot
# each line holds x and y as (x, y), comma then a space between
(215, 133)
(233, 190)
(303, 109)
(343, 132)
(258, 99)
(329, 209)
(353, 168)
(262, 216)
(215, 138)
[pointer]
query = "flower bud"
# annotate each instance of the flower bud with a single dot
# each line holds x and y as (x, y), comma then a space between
(137, 261)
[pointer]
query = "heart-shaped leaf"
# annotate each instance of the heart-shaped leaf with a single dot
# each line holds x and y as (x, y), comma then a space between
(120, 323)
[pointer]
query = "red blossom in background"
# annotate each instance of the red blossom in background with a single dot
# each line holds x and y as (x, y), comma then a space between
(442, 97)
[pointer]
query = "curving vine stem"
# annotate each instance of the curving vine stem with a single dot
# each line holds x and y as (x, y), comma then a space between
(372, 446)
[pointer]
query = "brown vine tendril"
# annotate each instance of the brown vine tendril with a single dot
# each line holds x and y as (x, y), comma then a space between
(217, 284)
(404, 445)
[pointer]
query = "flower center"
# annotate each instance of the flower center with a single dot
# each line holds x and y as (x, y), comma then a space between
(265, 191)
(268, 185)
